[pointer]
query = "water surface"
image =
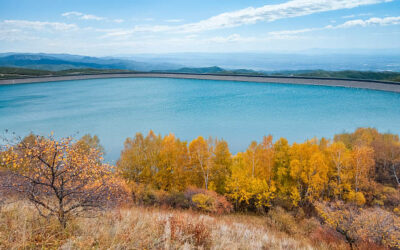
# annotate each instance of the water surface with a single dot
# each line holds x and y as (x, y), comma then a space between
(239, 112)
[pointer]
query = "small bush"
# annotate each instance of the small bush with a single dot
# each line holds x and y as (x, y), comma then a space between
(356, 197)
(208, 201)
(396, 210)
(283, 221)
(392, 197)
(362, 225)
(195, 233)
(177, 200)
(203, 202)
(196, 198)
(329, 236)
(147, 196)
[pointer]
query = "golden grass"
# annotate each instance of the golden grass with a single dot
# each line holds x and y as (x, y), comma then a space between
(147, 228)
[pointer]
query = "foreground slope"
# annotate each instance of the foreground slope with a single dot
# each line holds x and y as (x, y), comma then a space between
(152, 228)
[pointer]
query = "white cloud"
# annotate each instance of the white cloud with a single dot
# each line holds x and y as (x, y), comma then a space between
(352, 23)
(292, 32)
(82, 16)
(136, 29)
(23, 30)
(174, 20)
(270, 13)
(118, 20)
(230, 38)
(37, 25)
(358, 15)
(372, 21)
(251, 15)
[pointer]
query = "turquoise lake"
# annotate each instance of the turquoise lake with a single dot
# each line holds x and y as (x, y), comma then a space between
(238, 112)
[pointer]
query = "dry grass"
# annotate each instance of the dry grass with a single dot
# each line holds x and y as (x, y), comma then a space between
(147, 228)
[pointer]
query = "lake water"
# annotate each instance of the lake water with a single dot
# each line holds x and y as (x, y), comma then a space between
(238, 112)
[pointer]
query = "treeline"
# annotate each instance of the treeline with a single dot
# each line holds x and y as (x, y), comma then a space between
(361, 168)
(349, 183)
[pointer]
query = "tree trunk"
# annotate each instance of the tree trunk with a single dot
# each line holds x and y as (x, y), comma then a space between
(62, 219)
(395, 175)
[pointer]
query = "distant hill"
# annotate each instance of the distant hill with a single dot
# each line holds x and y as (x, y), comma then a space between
(213, 70)
(331, 60)
(57, 62)
(12, 72)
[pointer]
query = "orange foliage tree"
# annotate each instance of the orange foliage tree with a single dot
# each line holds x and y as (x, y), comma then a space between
(61, 178)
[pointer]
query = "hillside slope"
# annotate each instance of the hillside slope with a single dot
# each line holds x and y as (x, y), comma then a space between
(56, 62)
(154, 228)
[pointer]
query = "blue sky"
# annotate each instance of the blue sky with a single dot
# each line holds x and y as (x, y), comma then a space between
(117, 27)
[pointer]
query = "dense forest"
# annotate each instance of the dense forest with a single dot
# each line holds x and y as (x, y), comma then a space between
(349, 185)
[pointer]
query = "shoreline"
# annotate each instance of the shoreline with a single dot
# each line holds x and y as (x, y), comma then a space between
(332, 82)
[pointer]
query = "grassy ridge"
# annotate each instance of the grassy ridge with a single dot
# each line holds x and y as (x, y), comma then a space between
(134, 227)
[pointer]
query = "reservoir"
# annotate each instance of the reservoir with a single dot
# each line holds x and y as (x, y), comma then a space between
(238, 112)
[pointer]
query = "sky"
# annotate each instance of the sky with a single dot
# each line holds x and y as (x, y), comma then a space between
(123, 27)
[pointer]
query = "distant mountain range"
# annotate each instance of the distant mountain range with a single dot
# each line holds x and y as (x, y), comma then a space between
(56, 62)
(260, 62)
(364, 66)
(271, 62)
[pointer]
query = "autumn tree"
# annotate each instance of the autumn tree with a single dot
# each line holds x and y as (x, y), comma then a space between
(250, 157)
(309, 170)
(60, 177)
(140, 158)
(362, 161)
(222, 161)
(281, 169)
(259, 158)
(339, 157)
(251, 181)
(387, 158)
(246, 191)
(238, 185)
(265, 155)
(173, 165)
(88, 142)
(360, 137)
(201, 151)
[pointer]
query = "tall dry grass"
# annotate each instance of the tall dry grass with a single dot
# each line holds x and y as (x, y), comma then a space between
(151, 228)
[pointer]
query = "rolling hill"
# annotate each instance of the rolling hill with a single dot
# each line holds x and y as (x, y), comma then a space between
(56, 62)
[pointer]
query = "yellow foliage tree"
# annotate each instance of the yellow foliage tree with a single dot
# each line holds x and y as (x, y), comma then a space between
(60, 177)
(173, 165)
(339, 157)
(309, 170)
(140, 158)
(362, 160)
(200, 152)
